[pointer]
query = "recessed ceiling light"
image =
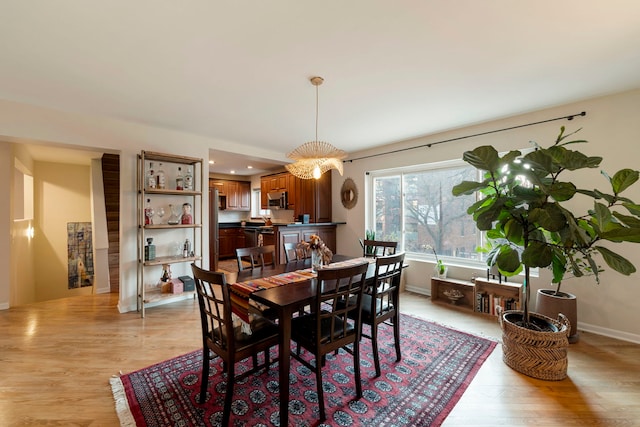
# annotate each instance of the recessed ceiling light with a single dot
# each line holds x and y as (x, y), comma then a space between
(232, 171)
(211, 162)
(249, 167)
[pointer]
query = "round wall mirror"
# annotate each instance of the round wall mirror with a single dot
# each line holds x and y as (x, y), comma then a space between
(349, 193)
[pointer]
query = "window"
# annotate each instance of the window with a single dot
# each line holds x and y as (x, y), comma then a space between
(256, 208)
(415, 207)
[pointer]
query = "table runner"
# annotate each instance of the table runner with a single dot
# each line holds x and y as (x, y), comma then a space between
(241, 291)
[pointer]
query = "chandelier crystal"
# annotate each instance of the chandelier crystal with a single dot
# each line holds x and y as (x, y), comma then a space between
(314, 158)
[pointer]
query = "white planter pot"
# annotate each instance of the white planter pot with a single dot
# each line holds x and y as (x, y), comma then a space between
(442, 275)
(550, 305)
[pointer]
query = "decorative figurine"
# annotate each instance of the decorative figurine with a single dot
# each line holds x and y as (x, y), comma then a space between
(187, 218)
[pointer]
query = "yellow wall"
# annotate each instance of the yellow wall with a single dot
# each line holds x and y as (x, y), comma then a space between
(22, 269)
(6, 253)
(63, 195)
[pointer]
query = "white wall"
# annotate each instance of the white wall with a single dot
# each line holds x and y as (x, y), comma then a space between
(101, 282)
(611, 125)
(612, 128)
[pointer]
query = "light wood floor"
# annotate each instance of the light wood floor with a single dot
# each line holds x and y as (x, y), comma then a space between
(56, 358)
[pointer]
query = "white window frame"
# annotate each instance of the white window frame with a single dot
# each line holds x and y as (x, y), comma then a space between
(370, 209)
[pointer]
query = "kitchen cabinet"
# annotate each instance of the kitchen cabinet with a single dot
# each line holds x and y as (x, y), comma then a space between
(228, 240)
(277, 182)
(220, 185)
(237, 194)
(233, 199)
(297, 233)
(313, 197)
(305, 196)
(244, 190)
(163, 235)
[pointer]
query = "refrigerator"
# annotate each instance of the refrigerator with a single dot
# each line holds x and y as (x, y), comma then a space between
(213, 229)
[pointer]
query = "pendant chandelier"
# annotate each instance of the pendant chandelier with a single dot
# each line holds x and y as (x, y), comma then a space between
(314, 158)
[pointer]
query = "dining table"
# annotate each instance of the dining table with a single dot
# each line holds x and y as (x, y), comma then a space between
(286, 299)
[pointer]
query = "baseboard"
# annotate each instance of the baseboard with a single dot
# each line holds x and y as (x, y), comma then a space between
(611, 333)
(417, 290)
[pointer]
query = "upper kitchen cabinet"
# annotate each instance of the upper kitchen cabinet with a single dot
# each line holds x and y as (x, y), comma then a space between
(220, 184)
(236, 194)
(305, 196)
(282, 181)
(314, 198)
(244, 196)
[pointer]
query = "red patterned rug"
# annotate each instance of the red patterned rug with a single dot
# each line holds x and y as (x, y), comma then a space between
(437, 365)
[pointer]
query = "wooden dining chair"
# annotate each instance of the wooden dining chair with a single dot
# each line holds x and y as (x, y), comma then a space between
(375, 248)
(292, 253)
(256, 256)
(380, 303)
(329, 327)
(220, 337)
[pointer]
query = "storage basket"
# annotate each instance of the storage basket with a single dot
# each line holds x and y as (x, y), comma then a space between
(541, 355)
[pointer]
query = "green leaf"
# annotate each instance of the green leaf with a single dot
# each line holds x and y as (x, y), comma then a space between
(508, 261)
(486, 216)
(558, 266)
(508, 158)
(622, 234)
(513, 231)
(467, 187)
(485, 220)
(623, 179)
(602, 215)
(594, 267)
(629, 221)
(537, 254)
(574, 160)
(550, 217)
(541, 162)
(562, 191)
(484, 158)
(474, 207)
(527, 195)
(595, 194)
(615, 261)
(632, 208)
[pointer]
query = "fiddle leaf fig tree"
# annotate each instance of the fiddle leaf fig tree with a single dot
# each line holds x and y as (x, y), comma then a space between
(524, 212)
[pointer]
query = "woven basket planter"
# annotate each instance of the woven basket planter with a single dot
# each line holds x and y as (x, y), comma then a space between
(541, 355)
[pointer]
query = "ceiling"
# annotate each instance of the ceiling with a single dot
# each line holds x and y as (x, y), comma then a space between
(238, 72)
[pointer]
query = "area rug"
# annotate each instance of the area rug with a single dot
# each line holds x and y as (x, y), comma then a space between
(437, 366)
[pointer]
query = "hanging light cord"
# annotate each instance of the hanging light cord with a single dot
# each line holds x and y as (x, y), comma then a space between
(316, 112)
(429, 145)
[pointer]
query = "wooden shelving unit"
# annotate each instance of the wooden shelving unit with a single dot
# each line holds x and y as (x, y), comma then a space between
(490, 293)
(151, 295)
(439, 288)
(480, 296)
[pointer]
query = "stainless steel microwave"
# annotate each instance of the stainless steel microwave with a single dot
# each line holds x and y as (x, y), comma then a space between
(277, 200)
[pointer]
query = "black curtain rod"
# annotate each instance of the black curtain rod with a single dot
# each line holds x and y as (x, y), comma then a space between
(570, 117)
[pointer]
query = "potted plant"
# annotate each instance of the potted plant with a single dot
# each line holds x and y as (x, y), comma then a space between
(523, 210)
(440, 269)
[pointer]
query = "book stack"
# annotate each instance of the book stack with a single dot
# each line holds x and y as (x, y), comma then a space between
(488, 303)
